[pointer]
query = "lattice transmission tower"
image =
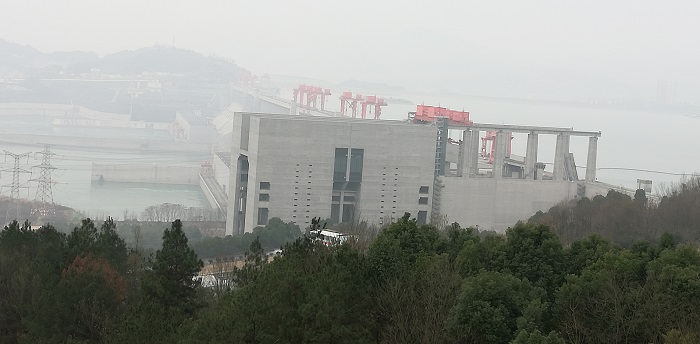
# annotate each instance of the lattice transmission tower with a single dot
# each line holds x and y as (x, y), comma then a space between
(43, 205)
(13, 207)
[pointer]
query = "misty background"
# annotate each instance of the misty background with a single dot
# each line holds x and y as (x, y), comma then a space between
(627, 69)
(557, 50)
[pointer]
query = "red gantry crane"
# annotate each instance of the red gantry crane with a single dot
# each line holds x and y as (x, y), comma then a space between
(311, 94)
(427, 114)
(373, 103)
(348, 102)
(369, 104)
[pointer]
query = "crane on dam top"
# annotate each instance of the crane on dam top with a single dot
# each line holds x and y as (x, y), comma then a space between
(429, 114)
(369, 105)
(312, 95)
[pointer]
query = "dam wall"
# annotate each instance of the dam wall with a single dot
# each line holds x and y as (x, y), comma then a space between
(496, 204)
(146, 173)
(57, 110)
(106, 143)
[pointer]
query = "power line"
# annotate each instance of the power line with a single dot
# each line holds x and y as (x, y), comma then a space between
(643, 170)
(649, 171)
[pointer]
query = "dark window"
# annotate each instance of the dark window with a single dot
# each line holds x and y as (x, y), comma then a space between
(264, 197)
(348, 212)
(335, 213)
(423, 200)
(264, 185)
(424, 189)
(356, 163)
(422, 217)
(262, 216)
(341, 164)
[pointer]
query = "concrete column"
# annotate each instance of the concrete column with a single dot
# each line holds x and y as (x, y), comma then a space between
(560, 153)
(463, 149)
(509, 143)
(233, 182)
(293, 108)
(502, 139)
(531, 156)
(474, 153)
(468, 161)
(592, 157)
(539, 170)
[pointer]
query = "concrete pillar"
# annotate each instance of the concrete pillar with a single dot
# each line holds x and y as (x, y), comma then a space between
(468, 161)
(539, 170)
(531, 156)
(560, 153)
(293, 108)
(463, 149)
(509, 143)
(502, 139)
(474, 153)
(592, 156)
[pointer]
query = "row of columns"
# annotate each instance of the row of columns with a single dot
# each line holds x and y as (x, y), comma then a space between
(469, 161)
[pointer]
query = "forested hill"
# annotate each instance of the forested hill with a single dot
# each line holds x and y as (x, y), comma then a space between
(157, 59)
(410, 284)
(626, 220)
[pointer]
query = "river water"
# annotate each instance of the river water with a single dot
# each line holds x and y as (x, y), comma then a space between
(72, 176)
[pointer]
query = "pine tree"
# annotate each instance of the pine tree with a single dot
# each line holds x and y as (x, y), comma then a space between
(174, 268)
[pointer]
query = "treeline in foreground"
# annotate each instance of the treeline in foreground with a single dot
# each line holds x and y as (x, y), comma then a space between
(412, 284)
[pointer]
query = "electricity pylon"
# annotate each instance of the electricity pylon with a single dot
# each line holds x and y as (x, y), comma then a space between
(43, 205)
(13, 207)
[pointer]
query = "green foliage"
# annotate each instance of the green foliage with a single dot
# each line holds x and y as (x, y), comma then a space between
(624, 220)
(274, 235)
(490, 306)
(415, 306)
(412, 284)
(536, 337)
(535, 253)
(172, 284)
(311, 294)
(583, 253)
(484, 253)
(255, 261)
(399, 246)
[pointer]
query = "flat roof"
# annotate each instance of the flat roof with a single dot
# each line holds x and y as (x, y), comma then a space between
(533, 129)
(332, 119)
(477, 126)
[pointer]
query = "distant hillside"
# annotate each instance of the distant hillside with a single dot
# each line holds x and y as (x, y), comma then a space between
(23, 58)
(159, 59)
(187, 80)
(370, 86)
(163, 59)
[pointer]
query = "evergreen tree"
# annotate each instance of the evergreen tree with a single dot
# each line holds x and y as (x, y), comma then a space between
(173, 283)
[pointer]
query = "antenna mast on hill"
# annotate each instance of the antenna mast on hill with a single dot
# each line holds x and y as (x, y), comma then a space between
(13, 207)
(43, 201)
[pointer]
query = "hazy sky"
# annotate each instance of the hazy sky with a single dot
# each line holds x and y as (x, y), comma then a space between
(512, 48)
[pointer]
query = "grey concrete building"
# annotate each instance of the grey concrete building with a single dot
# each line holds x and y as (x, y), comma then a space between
(299, 167)
(496, 195)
